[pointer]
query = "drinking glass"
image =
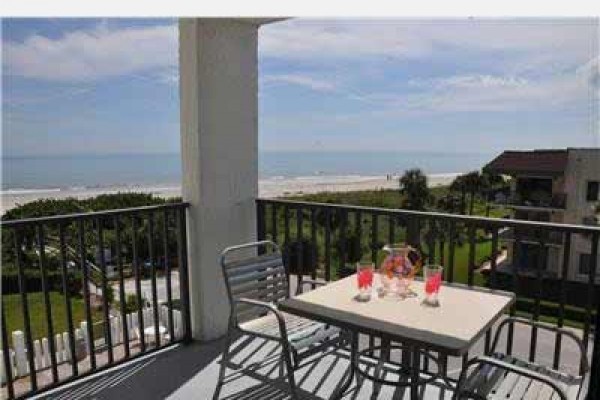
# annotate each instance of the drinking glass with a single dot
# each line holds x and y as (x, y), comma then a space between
(432, 274)
(364, 275)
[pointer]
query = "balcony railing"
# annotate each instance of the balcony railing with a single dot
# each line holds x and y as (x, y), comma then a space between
(49, 256)
(326, 240)
(554, 201)
(84, 292)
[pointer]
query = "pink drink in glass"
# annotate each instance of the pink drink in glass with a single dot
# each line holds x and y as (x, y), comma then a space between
(433, 282)
(364, 275)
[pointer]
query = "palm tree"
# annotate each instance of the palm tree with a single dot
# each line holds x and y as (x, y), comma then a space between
(459, 184)
(413, 185)
(448, 203)
(492, 179)
(491, 182)
(474, 183)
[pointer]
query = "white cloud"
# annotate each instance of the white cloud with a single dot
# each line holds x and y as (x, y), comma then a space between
(315, 39)
(517, 64)
(316, 84)
(90, 54)
(487, 93)
(469, 81)
(17, 100)
(548, 40)
(85, 55)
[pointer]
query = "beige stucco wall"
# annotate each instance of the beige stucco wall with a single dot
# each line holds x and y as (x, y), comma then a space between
(583, 166)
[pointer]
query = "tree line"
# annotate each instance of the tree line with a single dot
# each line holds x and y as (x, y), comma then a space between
(463, 192)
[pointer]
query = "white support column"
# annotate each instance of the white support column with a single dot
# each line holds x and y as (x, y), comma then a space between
(219, 146)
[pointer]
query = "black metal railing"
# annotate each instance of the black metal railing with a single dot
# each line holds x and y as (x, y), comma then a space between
(469, 247)
(553, 200)
(84, 292)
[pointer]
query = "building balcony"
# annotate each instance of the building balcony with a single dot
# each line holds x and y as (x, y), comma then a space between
(112, 349)
(531, 237)
(591, 220)
(554, 202)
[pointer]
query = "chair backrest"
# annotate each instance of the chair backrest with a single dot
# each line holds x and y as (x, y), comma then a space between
(254, 271)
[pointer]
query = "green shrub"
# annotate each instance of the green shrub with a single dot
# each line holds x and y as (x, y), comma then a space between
(131, 303)
(33, 281)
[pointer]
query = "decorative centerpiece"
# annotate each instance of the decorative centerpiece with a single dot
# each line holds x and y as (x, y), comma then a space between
(398, 269)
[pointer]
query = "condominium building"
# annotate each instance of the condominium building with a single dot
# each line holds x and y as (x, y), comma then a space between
(561, 186)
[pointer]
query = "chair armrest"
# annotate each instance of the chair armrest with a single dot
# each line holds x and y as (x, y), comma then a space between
(547, 327)
(267, 307)
(261, 304)
(483, 360)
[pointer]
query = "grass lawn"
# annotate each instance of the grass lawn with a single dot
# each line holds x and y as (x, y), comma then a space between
(37, 313)
(461, 261)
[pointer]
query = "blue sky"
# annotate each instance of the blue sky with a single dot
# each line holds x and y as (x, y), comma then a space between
(80, 86)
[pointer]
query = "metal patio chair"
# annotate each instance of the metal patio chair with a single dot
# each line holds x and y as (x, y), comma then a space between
(255, 284)
(502, 376)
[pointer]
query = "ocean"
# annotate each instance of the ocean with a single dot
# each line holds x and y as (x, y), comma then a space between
(26, 174)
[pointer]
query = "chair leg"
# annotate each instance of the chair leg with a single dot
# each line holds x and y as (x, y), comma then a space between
(459, 385)
(224, 361)
(287, 356)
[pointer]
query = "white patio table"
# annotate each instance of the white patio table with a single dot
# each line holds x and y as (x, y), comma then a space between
(464, 315)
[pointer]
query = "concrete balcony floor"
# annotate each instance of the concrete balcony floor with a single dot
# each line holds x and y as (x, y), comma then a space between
(191, 371)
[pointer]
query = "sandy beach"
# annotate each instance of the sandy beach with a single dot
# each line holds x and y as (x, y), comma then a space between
(271, 187)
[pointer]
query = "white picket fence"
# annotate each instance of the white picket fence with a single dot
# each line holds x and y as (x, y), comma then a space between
(41, 348)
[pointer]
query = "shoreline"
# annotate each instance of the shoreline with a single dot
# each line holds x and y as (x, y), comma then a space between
(268, 187)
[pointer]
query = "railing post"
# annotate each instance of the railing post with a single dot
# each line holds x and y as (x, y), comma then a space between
(70, 335)
(6, 359)
(260, 225)
(300, 247)
(153, 286)
(167, 270)
(25, 308)
(327, 244)
(314, 253)
(137, 279)
(274, 222)
(104, 282)
(594, 388)
(260, 221)
(183, 274)
(85, 270)
(122, 299)
(595, 242)
(47, 304)
(413, 232)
